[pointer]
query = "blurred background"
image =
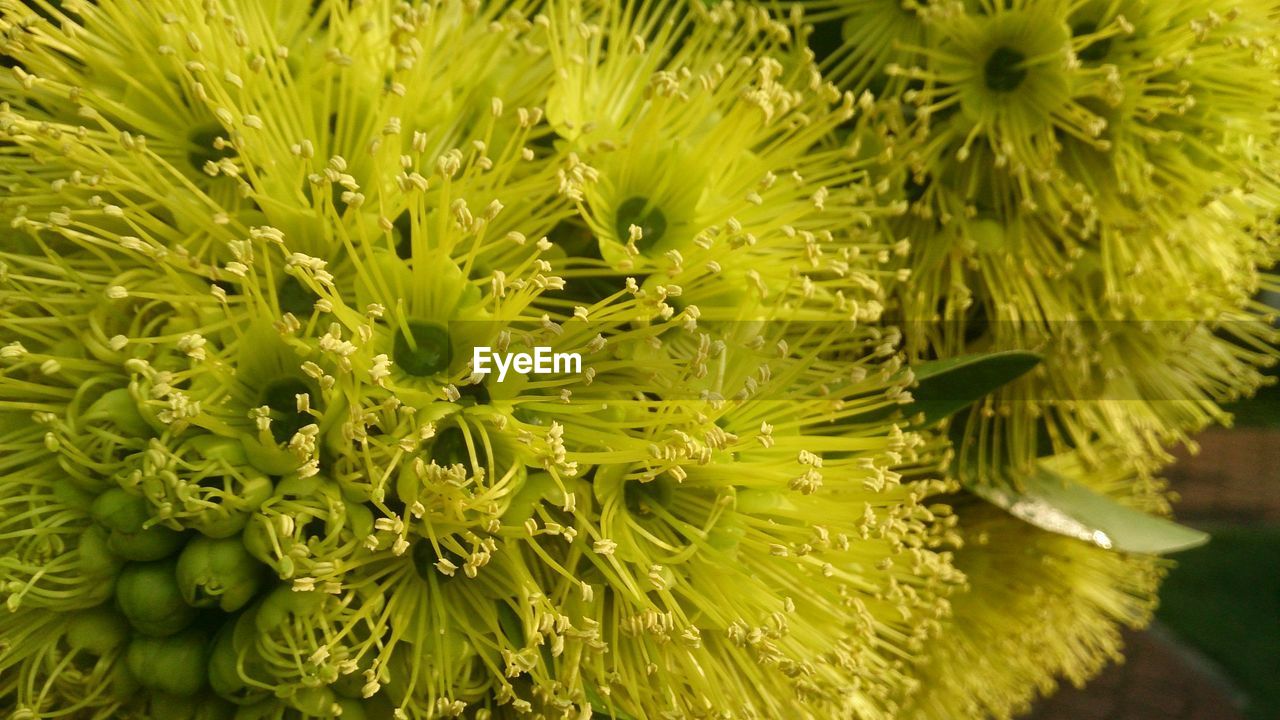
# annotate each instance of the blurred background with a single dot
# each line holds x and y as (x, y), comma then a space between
(1214, 650)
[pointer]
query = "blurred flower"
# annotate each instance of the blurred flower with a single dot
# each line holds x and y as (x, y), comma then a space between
(1037, 606)
(1088, 181)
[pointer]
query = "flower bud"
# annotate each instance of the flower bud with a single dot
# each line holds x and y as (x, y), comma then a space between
(123, 685)
(258, 541)
(73, 496)
(270, 459)
(148, 594)
(300, 486)
(200, 706)
(216, 447)
(96, 559)
(282, 604)
(226, 519)
(313, 701)
(218, 573)
(125, 517)
(121, 409)
(175, 664)
(98, 631)
(232, 650)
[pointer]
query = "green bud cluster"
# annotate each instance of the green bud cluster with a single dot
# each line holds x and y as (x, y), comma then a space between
(172, 590)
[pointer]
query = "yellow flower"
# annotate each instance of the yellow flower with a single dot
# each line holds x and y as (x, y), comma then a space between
(255, 245)
(697, 162)
(1060, 201)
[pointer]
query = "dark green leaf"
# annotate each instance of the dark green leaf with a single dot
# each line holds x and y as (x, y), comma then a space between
(1056, 504)
(945, 387)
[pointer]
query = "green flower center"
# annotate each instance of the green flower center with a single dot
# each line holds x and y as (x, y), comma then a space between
(642, 497)
(915, 189)
(425, 351)
(335, 195)
(477, 394)
(639, 212)
(425, 559)
(296, 298)
(281, 396)
(450, 448)
(1004, 70)
(202, 149)
(404, 235)
(227, 286)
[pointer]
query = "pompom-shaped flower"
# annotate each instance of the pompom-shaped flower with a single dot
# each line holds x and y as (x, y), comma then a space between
(253, 467)
(700, 167)
(1089, 181)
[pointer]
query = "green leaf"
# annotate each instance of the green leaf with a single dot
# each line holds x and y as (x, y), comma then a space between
(1059, 505)
(945, 387)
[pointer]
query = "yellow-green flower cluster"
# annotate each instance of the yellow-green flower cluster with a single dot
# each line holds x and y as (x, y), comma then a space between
(248, 468)
(1092, 180)
(1095, 182)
